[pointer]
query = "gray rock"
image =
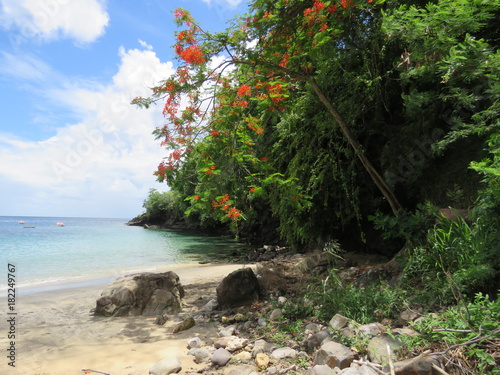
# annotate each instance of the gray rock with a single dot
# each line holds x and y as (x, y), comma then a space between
(408, 316)
(141, 294)
(262, 346)
(338, 321)
(377, 348)
(228, 331)
(275, 315)
(221, 357)
(239, 288)
(312, 328)
(161, 319)
(371, 329)
(321, 370)
(315, 341)
(241, 370)
(169, 365)
(421, 365)
(194, 342)
(209, 306)
(285, 352)
(262, 322)
(201, 355)
(282, 300)
(334, 354)
(358, 370)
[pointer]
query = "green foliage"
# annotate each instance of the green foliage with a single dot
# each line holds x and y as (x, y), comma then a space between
(163, 206)
(472, 327)
(364, 304)
(457, 259)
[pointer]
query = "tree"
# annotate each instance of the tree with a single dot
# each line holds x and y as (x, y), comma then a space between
(270, 57)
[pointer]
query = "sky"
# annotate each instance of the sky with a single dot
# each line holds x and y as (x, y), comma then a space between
(71, 145)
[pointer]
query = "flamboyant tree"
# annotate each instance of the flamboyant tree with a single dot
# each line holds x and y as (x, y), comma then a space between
(230, 86)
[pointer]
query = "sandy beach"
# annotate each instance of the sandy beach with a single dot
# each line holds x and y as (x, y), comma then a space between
(55, 333)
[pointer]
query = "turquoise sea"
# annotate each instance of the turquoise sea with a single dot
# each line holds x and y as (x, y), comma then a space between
(87, 250)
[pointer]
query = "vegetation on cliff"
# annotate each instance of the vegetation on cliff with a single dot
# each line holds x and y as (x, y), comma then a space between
(309, 121)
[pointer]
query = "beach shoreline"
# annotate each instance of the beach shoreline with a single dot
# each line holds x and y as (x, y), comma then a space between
(56, 333)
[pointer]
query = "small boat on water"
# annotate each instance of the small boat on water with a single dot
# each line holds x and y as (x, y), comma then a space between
(60, 224)
(29, 226)
(22, 222)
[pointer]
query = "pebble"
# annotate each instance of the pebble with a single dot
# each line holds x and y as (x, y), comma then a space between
(221, 357)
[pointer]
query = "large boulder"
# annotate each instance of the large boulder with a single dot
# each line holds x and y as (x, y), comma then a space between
(141, 294)
(239, 288)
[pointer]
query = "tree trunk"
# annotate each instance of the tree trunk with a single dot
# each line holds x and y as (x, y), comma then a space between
(376, 177)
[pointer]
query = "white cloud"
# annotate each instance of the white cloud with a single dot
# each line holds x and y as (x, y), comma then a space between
(105, 161)
(145, 45)
(82, 21)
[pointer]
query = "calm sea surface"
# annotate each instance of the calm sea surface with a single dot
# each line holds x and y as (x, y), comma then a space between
(88, 249)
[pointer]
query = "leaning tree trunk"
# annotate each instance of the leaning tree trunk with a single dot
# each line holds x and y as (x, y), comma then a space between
(376, 177)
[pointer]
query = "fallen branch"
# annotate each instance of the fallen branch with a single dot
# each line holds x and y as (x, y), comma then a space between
(374, 366)
(469, 342)
(88, 371)
(391, 365)
(439, 369)
(285, 371)
(452, 330)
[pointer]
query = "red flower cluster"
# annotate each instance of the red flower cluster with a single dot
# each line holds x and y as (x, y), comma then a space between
(234, 213)
(244, 90)
(192, 55)
(252, 123)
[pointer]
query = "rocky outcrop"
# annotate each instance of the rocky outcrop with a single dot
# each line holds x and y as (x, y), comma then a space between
(141, 294)
(239, 288)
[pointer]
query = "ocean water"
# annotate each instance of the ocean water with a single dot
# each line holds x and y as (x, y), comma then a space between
(49, 256)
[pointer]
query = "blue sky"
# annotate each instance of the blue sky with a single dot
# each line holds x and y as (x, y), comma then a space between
(70, 143)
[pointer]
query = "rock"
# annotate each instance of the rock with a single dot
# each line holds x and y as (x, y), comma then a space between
(209, 306)
(377, 348)
(193, 343)
(321, 370)
(285, 352)
(262, 322)
(239, 288)
(313, 260)
(272, 370)
(275, 315)
(221, 357)
(262, 346)
(169, 365)
(405, 331)
(312, 328)
(282, 300)
(221, 343)
(228, 331)
(334, 354)
(200, 355)
(243, 356)
(338, 321)
(315, 341)
(184, 325)
(358, 370)
(421, 365)
(262, 361)
(408, 316)
(242, 370)
(141, 294)
(236, 343)
(161, 319)
(372, 329)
